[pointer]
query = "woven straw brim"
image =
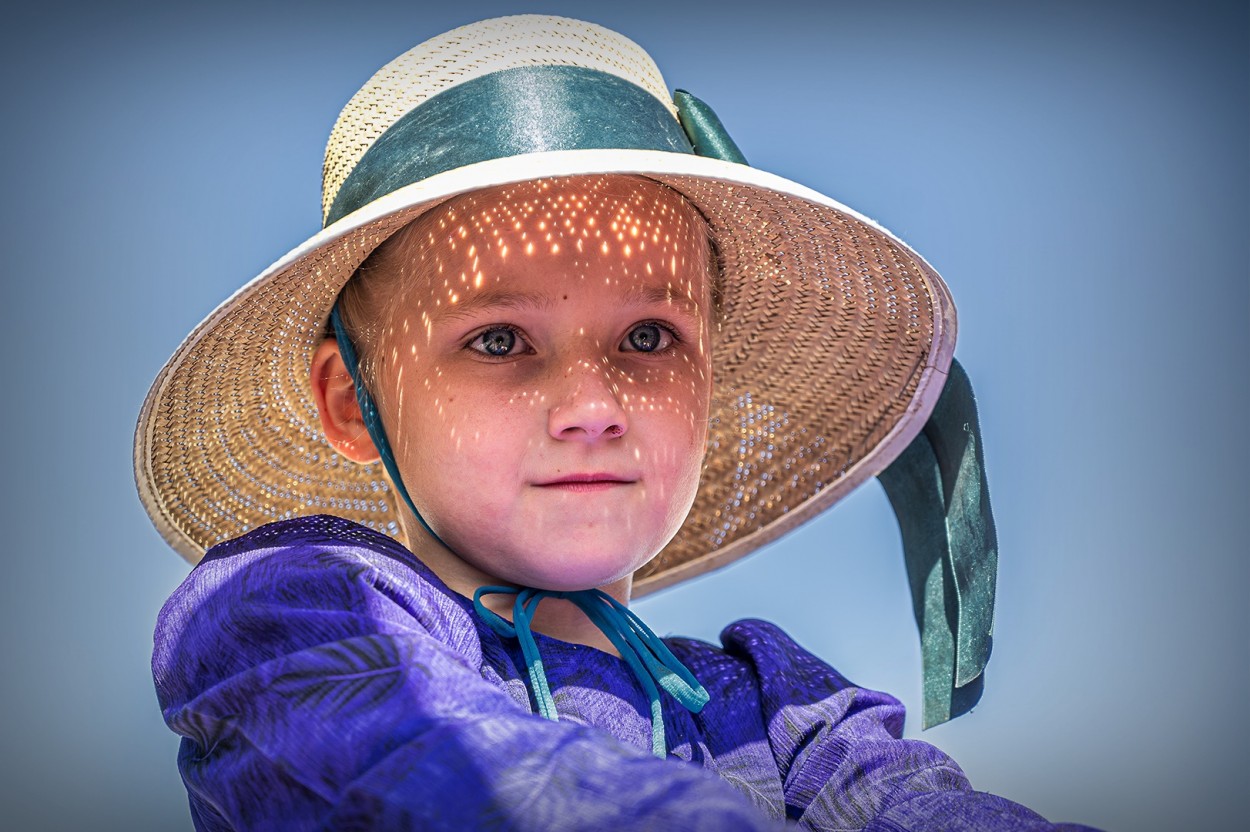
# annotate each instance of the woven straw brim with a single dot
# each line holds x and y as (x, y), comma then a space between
(833, 348)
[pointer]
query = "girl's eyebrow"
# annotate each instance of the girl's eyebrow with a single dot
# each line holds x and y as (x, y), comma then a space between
(490, 299)
(495, 299)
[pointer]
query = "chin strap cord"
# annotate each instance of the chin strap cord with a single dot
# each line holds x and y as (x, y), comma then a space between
(647, 656)
(372, 419)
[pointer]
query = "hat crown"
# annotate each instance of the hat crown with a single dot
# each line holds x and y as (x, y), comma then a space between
(464, 54)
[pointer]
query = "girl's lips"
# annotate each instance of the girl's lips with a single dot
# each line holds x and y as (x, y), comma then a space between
(580, 487)
(586, 482)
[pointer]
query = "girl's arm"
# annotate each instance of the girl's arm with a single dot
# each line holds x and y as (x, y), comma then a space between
(313, 690)
(841, 758)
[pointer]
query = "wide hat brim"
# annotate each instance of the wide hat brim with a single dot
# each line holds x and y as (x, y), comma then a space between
(834, 345)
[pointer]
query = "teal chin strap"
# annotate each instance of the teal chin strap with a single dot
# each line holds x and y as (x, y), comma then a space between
(369, 412)
(647, 656)
(940, 496)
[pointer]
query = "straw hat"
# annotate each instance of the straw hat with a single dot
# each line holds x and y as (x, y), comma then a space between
(834, 346)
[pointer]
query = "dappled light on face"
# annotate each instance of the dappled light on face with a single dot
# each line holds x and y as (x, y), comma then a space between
(546, 329)
(458, 255)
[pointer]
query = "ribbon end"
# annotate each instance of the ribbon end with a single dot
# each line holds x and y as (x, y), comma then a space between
(940, 496)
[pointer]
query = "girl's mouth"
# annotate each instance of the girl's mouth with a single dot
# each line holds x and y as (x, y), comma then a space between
(580, 483)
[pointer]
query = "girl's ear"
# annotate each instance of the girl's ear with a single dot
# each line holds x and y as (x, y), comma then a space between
(335, 395)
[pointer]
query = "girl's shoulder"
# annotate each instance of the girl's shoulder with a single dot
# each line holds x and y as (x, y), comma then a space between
(296, 584)
(762, 649)
(319, 536)
(316, 562)
(317, 558)
(760, 657)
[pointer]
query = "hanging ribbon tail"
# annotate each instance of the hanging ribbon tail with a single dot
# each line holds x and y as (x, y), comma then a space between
(704, 129)
(938, 490)
(955, 433)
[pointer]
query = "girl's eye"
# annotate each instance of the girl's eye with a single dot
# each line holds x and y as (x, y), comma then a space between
(648, 338)
(497, 343)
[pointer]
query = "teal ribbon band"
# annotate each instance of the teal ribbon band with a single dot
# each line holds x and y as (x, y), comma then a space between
(940, 496)
(508, 113)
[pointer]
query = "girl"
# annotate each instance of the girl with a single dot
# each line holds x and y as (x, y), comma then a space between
(557, 344)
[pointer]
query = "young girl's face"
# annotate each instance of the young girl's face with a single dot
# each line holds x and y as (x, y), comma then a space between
(544, 376)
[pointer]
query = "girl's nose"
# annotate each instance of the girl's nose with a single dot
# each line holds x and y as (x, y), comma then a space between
(588, 407)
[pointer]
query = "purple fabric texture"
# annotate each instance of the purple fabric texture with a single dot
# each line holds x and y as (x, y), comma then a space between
(322, 678)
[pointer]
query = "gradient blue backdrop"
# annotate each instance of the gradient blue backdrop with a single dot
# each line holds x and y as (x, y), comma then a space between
(1078, 171)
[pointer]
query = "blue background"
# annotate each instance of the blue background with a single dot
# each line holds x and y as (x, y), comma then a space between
(1078, 171)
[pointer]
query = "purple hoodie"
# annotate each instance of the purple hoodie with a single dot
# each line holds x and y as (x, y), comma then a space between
(323, 678)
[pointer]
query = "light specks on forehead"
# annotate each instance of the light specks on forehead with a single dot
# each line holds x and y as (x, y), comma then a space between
(625, 231)
(596, 215)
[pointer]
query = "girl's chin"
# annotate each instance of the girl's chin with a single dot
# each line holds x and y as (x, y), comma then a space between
(570, 572)
(569, 582)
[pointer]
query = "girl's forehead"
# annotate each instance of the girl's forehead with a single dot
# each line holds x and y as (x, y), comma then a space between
(601, 207)
(615, 234)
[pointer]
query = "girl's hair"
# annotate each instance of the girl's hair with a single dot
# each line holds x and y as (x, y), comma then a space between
(389, 269)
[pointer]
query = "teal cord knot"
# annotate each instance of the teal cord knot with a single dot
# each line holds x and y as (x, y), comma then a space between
(647, 656)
